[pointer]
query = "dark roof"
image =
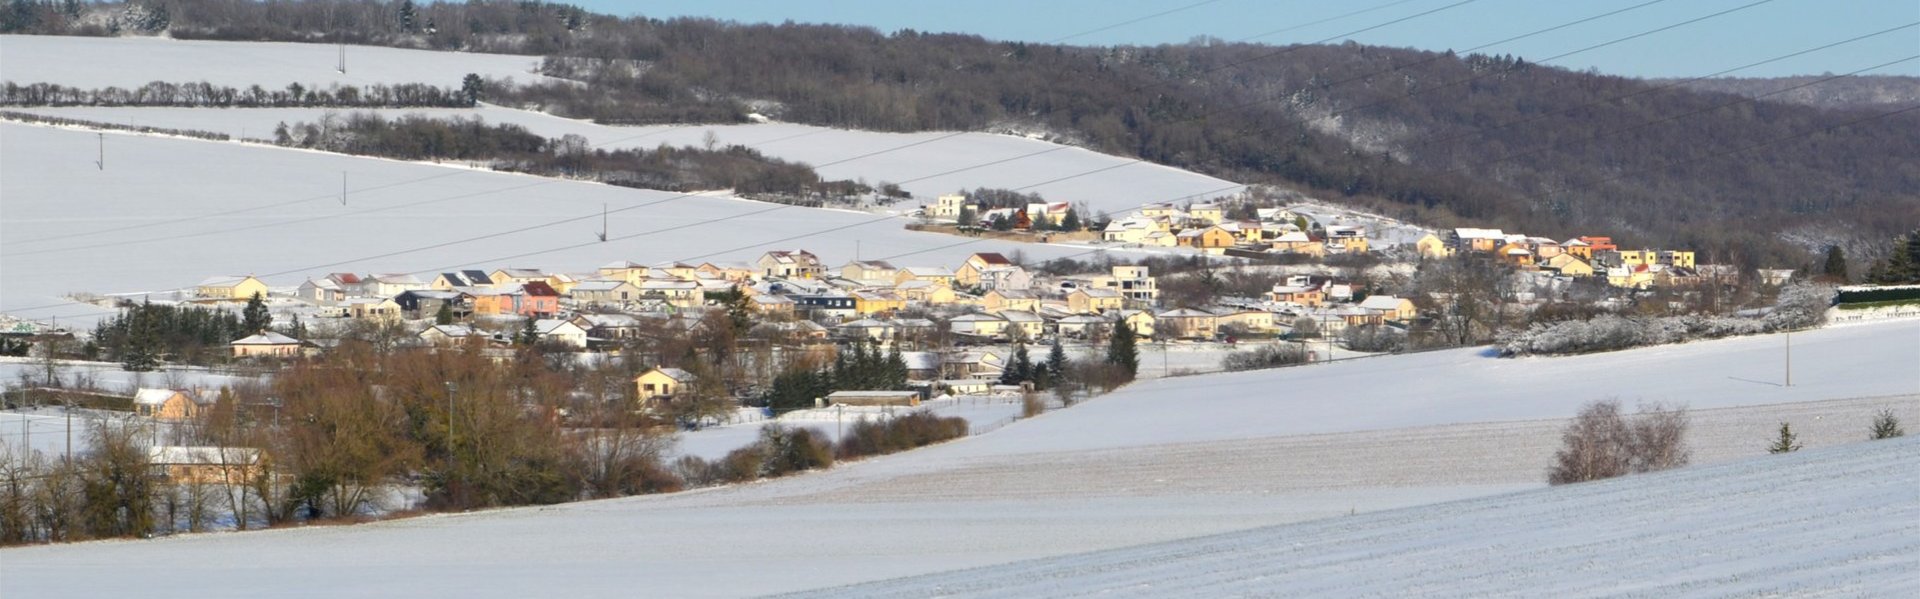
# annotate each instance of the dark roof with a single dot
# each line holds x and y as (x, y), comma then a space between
(476, 277)
(993, 258)
(539, 288)
(455, 279)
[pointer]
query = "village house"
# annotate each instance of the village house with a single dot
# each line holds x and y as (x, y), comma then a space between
(925, 292)
(968, 275)
(426, 303)
(321, 291)
(561, 332)
(623, 270)
(538, 300)
(204, 465)
(1431, 246)
(869, 270)
(731, 272)
(1011, 277)
(608, 326)
(1186, 323)
(165, 405)
(446, 335)
(1516, 254)
(267, 344)
(1141, 322)
(904, 399)
(868, 303)
(1569, 264)
(772, 305)
(1298, 242)
(1202, 215)
(1130, 230)
(866, 329)
(1345, 239)
(661, 384)
(947, 207)
(1247, 322)
(930, 274)
(983, 325)
(1094, 301)
(352, 284)
(1051, 213)
(1135, 284)
(1213, 239)
(1082, 326)
(522, 276)
(972, 364)
(1631, 277)
(230, 288)
(999, 300)
(372, 309)
(1297, 294)
(676, 293)
(1467, 239)
(795, 264)
(392, 284)
(606, 292)
(448, 281)
(498, 301)
(1390, 307)
(831, 305)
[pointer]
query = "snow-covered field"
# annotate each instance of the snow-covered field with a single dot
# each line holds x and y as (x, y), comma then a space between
(983, 414)
(1839, 522)
(128, 62)
(167, 213)
(1222, 459)
(926, 164)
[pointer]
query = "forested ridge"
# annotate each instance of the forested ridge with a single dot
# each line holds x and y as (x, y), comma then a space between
(1437, 138)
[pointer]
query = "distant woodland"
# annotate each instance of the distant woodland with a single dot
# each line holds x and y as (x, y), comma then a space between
(1438, 138)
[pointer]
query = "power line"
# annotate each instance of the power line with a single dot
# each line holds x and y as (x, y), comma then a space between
(1132, 21)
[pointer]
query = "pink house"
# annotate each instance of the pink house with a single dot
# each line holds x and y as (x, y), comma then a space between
(538, 299)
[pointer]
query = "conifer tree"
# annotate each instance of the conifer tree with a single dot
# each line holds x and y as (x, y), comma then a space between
(529, 332)
(255, 316)
(445, 315)
(1836, 265)
(1786, 442)
(1121, 351)
(1057, 360)
(1886, 426)
(896, 369)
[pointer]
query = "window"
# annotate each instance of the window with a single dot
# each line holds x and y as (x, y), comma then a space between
(647, 387)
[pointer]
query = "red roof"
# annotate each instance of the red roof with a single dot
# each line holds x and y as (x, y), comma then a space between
(539, 288)
(992, 258)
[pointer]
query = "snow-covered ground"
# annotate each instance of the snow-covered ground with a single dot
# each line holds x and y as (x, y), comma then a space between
(167, 213)
(983, 414)
(1227, 455)
(129, 62)
(1839, 522)
(926, 164)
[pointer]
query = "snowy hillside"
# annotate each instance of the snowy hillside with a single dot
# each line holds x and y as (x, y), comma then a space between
(1839, 522)
(930, 164)
(1018, 493)
(167, 213)
(95, 62)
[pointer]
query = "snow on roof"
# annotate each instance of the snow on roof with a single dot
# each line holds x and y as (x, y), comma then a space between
(171, 455)
(267, 338)
(153, 397)
(1381, 302)
(929, 271)
(597, 286)
(1472, 233)
(1018, 316)
(676, 374)
(224, 280)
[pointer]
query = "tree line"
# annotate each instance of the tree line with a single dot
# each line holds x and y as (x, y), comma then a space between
(201, 94)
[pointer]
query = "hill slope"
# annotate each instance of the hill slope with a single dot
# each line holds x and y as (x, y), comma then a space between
(1838, 522)
(1434, 137)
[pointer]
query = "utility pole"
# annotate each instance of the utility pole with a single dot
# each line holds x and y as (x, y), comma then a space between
(1789, 358)
(343, 188)
(453, 459)
(102, 161)
(343, 58)
(603, 222)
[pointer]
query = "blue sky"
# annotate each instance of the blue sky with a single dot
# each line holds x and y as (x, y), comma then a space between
(1753, 34)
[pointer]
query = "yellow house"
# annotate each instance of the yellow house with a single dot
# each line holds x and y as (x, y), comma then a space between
(661, 383)
(1253, 321)
(868, 303)
(1432, 246)
(230, 288)
(869, 270)
(1631, 277)
(1093, 301)
(1639, 257)
(631, 272)
(1141, 321)
(1348, 245)
(1187, 323)
(1009, 299)
(1211, 238)
(164, 404)
(1132, 230)
(1157, 211)
(1569, 264)
(1303, 295)
(381, 310)
(925, 292)
(1206, 214)
(1579, 248)
(984, 325)
(206, 465)
(1680, 258)
(930, 274)
(1295, 242)
(1390, 307)
(1515, 254)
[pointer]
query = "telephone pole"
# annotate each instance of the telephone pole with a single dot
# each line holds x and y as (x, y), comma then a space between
(102, 160)
(1789, 358)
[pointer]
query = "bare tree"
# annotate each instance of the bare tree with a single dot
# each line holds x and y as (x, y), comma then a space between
(1602, 443)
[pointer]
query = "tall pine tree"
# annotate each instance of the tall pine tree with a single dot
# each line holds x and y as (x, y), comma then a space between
(255, 317)
(1786, 442)
(1057, 360)
(1836, 265)
(1121, 350)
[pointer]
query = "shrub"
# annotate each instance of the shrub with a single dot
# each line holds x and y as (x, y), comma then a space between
(1031, 405)
(1886, 426)
(1374, 338)
(1799, 306)
(1269, 356)
(918, 429)
(1601, 443)
(1787, 442)
(790, 450)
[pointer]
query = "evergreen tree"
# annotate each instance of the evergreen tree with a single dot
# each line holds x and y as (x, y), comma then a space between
(1902, 264)
(1886, 426)
(255, 317)
(530, 333)
(1786, 442)
(1836, 265)
(470, 87)
(445, 315)
(408, 16)
(896, 369)
(1121, 351)
(297, 330)
(1071, 222)
(1019, 368)
(1057, 360)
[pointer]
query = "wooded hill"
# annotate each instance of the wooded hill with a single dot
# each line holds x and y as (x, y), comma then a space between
(1446, 140)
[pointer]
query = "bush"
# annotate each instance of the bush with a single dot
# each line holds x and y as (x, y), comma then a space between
(917, 429)
(790, 450)
(1886, 426)
(1601, 443)
(1799, 306)
(1031, 405)
(1375, 338)
(1268, 356)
